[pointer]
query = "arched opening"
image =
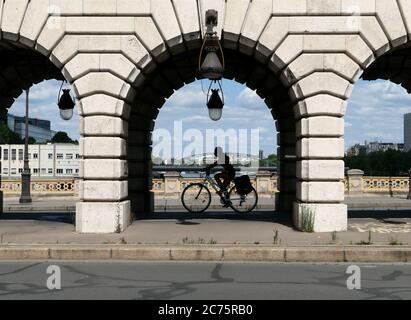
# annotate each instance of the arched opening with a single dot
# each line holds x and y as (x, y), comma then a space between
(377, 161)
(184, 139)
(161, 82)
(20, 68)
(23, 68)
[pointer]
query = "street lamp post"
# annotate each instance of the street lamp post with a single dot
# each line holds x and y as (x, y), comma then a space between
(66, 106)
(409, 187)
(26, 175)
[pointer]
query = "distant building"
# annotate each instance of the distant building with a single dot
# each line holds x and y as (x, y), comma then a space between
(374, 146)
(356, 150)
(407, 132)
(383, 146)
(208, 158)
(46, 160)
(38, 129)
(261, 154)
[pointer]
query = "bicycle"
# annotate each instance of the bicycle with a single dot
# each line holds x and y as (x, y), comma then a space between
(196, 197)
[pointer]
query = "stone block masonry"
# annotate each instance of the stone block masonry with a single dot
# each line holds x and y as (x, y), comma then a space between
(124, 58)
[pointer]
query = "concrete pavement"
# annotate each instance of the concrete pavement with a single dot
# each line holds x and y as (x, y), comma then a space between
(202, 281)
(68, 204)
(219, 236)
(224, 227)
(261, 236)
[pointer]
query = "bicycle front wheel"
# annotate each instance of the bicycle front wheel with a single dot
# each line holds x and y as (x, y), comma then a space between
(196, 198)
(243, 203)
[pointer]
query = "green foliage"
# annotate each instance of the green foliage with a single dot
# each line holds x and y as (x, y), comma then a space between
(366, 243)
(188, 241)
(381, 163)
(276, 238)
(62, 137)
(395, 242)
(32, 140)
(7, 136)
(334, 237)
(270, 161)
(307, 219)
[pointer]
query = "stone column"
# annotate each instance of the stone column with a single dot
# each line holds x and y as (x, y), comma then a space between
(354, 177)
(172, 184)
(140, 176)
(263, 182)
(76, 187)
(103, 170)
(320, 167)
(1, 194)
(286, 152)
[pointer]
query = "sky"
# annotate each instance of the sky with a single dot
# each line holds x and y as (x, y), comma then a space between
(375, 112)
(43, 105)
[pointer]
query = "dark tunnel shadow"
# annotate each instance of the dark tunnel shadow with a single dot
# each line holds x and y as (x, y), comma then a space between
(379, 214)
(186, 218)
(62, 217)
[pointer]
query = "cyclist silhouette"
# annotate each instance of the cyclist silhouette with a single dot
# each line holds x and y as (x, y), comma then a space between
(225, 177)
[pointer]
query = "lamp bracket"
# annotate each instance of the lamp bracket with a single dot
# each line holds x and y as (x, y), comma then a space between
(211, 22)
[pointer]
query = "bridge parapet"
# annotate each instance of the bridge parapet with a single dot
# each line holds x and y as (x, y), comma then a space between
(172, 185)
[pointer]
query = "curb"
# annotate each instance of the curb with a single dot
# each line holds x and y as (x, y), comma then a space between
(162, 209)
(45, 209)
(206, 253)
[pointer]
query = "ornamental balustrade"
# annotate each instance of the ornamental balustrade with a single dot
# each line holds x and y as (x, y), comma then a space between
(64, 187)
(382, 184)
(357, 183)
(174, 184)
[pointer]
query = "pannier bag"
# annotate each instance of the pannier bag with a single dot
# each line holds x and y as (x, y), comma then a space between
(243, 185)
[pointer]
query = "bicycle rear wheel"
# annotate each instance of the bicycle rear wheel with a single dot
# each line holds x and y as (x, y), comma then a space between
(243, 203)
(196, 198)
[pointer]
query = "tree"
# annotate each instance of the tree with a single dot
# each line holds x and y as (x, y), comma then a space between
(32, 140)
(8, 136)
(270, 161)
(62, 137)
(381, 163)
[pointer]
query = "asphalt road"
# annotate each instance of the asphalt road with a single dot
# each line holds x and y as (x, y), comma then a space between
(192, 281)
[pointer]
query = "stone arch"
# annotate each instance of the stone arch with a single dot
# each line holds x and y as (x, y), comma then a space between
(179, 70)
(106, 49)
(328, 59)
(37, 43)
(171, 62)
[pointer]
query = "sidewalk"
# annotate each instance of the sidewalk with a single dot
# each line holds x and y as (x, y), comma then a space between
(260, 228)
(68, 204)
(221, 235)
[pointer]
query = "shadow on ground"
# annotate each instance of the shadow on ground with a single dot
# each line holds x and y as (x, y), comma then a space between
(63, 217)
(379, 214)
(184, 218)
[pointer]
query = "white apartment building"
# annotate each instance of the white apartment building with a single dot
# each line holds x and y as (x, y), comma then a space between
(46, 160)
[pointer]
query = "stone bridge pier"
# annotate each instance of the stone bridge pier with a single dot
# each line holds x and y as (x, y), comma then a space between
(124, 58)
